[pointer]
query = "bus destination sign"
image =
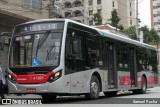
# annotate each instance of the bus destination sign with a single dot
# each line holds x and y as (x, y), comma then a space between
(39, 27)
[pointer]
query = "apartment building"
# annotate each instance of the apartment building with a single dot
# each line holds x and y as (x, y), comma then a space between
(13, 12)
(155, 15)
(83, 10)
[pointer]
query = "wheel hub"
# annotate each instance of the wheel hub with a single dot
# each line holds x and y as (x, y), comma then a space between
(94, 87)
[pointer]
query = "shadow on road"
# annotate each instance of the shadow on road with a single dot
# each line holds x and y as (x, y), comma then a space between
(82, 100)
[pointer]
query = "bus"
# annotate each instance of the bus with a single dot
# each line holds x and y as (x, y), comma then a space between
(53, 57)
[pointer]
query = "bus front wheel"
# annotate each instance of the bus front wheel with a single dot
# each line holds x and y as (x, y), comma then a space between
(94, 88)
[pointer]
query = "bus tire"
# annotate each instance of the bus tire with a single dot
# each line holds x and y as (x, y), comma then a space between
(143, 87)
(49, 97)
(110, 94)
(94, 88)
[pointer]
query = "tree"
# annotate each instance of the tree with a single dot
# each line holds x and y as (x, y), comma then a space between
(150, 36)
(155, 38)
(131, 31)
(114, 18)
(146, 34)
(121, 27)
(97, 18)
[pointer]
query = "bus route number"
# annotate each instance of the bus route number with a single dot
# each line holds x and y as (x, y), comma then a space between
(38, 78)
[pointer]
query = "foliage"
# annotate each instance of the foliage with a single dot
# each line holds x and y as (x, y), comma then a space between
(131, 31)
(97, 18)
(114, 18)
(155, 38)
(146, 34)
(121, 27)
(149, 36)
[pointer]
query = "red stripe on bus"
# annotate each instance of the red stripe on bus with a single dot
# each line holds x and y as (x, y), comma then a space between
(32, 78)
(125, 80)
(151, 80)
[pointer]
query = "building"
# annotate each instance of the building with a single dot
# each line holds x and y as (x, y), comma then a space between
(13, 12)
(126, 11)
(155, 15)
(155, 23)
(83, 10)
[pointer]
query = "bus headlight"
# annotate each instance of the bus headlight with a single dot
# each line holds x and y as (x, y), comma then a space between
(55, 76)
(11, 78)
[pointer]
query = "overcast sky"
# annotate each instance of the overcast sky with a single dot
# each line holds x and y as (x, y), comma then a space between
(144, 13)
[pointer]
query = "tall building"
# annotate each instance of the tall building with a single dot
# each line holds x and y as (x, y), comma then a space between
(126, 11)
(155, 15)
(83, 10)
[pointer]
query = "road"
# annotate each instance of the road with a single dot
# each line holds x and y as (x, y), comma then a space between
(150, 99)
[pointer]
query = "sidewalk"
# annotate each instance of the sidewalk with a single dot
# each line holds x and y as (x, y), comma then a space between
(157, 88)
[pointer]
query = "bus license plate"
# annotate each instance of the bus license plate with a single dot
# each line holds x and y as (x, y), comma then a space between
(31, 90)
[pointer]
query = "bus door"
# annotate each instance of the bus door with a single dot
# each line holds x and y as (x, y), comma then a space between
(111, 65)
(132, 66)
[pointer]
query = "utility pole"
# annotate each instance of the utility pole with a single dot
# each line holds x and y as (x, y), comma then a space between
(137, 20)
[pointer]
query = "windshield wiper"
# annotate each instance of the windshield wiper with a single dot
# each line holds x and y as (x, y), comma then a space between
(49, 52)
(42, 40)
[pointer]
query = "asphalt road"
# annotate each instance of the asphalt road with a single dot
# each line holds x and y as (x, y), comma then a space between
(150, 99)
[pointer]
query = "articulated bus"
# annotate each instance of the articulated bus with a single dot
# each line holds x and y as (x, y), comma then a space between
(51, 57)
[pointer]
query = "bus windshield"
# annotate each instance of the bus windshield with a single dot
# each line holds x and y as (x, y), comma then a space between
(36, 49)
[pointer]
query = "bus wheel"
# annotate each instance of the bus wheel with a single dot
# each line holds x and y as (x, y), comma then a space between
(110, 94)
(94, 88)
(143, 87)
(49, 97)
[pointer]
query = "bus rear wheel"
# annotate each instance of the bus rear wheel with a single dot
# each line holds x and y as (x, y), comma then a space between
(143, 87)
(94, 88)
(49, 97)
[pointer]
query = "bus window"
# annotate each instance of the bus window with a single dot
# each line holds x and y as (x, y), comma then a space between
(153, 61)
(74, 57)
(140, 54)
(122, 56)
(92, 52)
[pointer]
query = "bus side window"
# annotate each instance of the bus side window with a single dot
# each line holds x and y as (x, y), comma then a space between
(92, 51)
(74, 56)
(74, 48)
(77, 48)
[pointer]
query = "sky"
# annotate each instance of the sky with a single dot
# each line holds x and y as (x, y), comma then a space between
(144, 12)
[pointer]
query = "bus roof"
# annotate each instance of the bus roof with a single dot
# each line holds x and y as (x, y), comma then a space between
(103, 33)
(119, 37)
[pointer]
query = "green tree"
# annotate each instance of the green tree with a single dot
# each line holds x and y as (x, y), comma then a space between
(121, 27)
(114, 18)
(131, 31)
(97, 18)
(146, 34)
(155, 38)
(150, 36)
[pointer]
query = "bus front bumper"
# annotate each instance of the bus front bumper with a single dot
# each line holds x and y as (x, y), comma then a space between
(31, 88)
